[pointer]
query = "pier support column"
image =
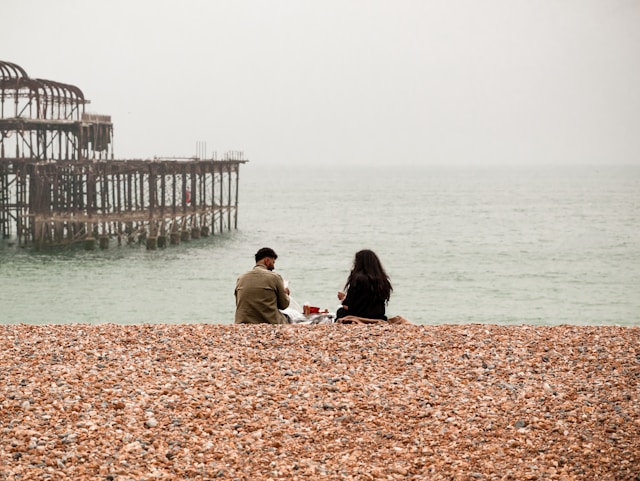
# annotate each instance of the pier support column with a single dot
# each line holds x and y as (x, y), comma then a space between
(162, 241)
(90, 243)
(195, 233)
(185, 235)
(104, 242)
(175, 238)
(152, 243)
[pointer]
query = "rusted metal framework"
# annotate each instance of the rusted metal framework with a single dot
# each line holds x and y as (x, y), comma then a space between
(46, 120)
(59, 182)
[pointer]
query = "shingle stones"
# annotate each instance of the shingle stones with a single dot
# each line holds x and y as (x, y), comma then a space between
(334, 402)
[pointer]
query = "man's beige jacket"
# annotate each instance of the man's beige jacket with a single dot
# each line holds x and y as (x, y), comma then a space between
(259, 296)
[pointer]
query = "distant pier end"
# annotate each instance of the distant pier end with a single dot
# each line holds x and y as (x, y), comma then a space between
(60, 183)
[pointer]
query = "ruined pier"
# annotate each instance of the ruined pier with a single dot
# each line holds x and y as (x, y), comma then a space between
(60, 183)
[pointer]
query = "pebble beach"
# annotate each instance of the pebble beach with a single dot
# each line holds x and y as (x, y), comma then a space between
(332, 402)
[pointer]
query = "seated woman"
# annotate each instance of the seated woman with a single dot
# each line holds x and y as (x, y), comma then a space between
(367, 290)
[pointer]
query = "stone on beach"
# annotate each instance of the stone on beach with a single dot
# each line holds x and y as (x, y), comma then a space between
(343, 402)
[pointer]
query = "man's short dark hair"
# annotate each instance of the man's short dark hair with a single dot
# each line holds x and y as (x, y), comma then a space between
(266, 252)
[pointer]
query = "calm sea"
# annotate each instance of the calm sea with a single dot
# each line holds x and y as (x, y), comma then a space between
(534, 245)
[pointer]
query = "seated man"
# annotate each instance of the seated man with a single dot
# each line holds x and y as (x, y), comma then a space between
(260, 293)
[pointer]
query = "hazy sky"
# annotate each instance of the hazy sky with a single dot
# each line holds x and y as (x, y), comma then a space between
(347, 81)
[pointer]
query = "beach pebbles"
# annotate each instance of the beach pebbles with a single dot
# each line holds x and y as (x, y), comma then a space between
(334, 402)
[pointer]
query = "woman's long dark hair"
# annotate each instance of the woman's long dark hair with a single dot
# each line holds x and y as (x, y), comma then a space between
(366, 264)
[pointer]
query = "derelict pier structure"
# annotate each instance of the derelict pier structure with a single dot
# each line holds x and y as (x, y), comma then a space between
(60, 183)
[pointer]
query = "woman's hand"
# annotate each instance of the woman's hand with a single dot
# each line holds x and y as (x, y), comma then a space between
(341, 295)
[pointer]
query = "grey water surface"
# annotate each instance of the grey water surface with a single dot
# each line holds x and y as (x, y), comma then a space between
(511, 245)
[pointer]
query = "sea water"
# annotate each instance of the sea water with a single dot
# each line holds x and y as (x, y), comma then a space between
(538, 245)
